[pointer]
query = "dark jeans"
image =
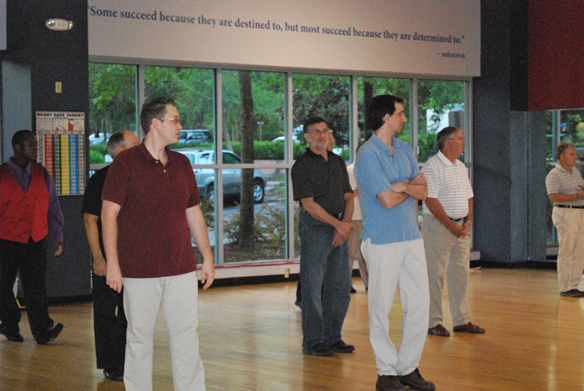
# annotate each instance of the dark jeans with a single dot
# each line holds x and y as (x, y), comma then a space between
(30, 260)
(109, 325)
(326, 285)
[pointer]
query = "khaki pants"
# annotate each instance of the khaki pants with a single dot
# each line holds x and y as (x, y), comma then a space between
(143, 298)
(355, 251)
(570, 226)
(446, 256)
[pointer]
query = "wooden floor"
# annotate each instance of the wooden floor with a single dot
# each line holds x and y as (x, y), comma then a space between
(251, 340)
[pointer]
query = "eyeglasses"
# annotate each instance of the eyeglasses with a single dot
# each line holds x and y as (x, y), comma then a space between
(316, 131)
(176, 120)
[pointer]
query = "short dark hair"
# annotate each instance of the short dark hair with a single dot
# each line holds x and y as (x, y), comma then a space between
(379, 106)
(153, 108)
(311, 121)
(445, 135)
(20, 136)
(115, 141)
(561, 149)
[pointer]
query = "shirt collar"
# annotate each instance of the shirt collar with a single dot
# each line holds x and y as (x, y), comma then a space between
(149, 156)
(444, 159)
(312, 154)
(561, 168)
(15, 167)
(381, 145)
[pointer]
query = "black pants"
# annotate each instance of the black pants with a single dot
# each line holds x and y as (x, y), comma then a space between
(30, 260)
(109, 325)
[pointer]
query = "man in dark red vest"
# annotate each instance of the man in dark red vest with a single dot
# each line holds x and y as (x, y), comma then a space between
(29, 209)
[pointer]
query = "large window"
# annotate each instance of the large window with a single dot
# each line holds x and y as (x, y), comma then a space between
(254, 128)
(242, 131)
(440, 104)
(328, 97)
(112, 106)
(370, 87)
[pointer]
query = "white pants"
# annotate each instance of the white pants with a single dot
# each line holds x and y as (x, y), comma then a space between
(142, 300)
(570, 226)
(401, 265)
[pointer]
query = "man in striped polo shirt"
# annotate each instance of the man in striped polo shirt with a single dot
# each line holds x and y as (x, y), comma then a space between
(446, 230)
(565, 188)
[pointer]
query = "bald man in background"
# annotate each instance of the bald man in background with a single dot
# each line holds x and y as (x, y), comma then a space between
(109, 321)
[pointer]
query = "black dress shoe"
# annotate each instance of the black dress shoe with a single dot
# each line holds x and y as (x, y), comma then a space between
(319, 349)
(342, 347)
(13, 336)
(353, 290)
(51, 334)
(115, 374)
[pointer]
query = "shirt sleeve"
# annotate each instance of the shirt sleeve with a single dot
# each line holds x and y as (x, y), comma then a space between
(116, 182)
(552, 183)
(301, 185)
(413, 163)
(369, 174)
(347, 188)
(55, 218)
(433, 183)
(92, 197)
(194, 195)
(352, 176)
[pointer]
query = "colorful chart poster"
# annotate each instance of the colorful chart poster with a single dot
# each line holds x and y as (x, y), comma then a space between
(61, 140)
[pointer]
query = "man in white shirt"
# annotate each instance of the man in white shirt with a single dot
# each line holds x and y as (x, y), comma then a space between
(446, 230)
(357, 221)
(565, 187)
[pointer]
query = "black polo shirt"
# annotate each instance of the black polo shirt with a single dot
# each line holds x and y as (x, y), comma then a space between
(326, 181)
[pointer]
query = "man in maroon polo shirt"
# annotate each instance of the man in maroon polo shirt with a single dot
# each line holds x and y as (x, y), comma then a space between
(150, 201)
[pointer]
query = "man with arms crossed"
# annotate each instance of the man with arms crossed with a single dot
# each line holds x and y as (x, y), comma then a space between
(389, 186)
(150, 201)
(446, 230)
(109, 320)
(565, 188)
(29, 210)
(321, 184)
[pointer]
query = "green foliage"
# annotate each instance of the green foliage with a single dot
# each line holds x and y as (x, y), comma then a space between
(191, 88)
(428, 146)
(382, 86)
(269, 226)
(325, 96)
(112, 97)
(97, 153)
(208, 213)
(100, 148)
(268, 97)
(95, 157)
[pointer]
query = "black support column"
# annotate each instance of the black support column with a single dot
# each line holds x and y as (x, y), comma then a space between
(508, 142)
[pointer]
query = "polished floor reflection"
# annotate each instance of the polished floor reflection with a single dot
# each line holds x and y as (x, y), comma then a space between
(250, 340)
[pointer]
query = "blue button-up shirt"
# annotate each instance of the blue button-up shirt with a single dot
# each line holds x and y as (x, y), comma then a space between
(376, 170)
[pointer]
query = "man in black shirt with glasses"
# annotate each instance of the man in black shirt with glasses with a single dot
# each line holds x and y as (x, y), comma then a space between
(321, 184)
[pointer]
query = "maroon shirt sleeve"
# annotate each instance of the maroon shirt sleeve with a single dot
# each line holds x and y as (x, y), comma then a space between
(116, 183)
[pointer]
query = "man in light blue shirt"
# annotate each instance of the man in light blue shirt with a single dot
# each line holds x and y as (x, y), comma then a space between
(390, 185)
